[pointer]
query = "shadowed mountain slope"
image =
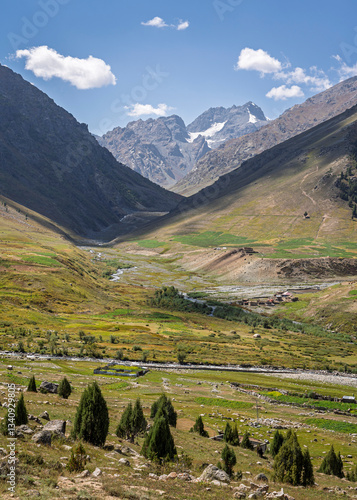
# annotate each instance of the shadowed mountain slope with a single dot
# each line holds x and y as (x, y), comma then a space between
(51, 164)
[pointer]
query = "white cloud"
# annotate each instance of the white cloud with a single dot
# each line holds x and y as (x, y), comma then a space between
(346, 71)
(147, 109)
(317, 80)
(283, 92)
(156, 22)
(257, 60)
(82, 73)
(183, 25)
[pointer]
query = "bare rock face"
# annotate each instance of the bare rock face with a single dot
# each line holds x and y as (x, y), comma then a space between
(165, 150)
(292, 122)
(213, 473)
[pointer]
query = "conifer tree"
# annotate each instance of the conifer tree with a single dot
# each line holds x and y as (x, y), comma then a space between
(64, 388)
(231, 435)
(308, 478)
(32, 385)
(138, 420)
(246, 443)
(164, 406)
(132, 422)
(278, 440)
(124, 426)
(91, 422)
(21, 412)
(159, 443)
(199, 427)
(291, 465)
(332, 464)
(229, 459)
(78, 459)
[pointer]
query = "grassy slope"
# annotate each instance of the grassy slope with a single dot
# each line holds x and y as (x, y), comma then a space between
(263, 202)
(193, 394)
(51, 291)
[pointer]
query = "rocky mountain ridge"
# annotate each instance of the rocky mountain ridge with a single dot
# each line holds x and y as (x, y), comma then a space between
(292, 122)
(164, 150)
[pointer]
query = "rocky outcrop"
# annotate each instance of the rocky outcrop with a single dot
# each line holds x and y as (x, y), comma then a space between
(56, 427)
(213, 473)
(164, 150)
(49, 387)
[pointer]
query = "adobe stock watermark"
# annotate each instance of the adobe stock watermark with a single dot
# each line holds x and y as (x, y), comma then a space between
(151, 79)
(11, 460)
(223, 6)
(30, 26)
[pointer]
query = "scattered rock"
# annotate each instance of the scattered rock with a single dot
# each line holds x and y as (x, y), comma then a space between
(49, 387)
(172, 475)
(35, 419)
(239, 494)
(124, 461)
(212, 473)
(25, 429)
(153, 476)
(97, 472)
(56, 427)
(42, 437)
(185, 476)
(85, 473)
(45, 415)
(261, 477)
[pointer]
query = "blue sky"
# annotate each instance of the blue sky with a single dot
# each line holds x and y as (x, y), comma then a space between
(111, 62)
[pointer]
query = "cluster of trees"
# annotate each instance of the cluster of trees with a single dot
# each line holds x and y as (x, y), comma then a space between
(132, 422)
(291, 464)
(170, 298)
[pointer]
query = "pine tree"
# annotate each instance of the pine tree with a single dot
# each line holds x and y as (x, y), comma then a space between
(308, 478)
(199, 427)
(332, 464)
(21, 412)
(91, 422)
(230, 435)
(246, 443)
(64, 388)
(138, 420)
(278, 440)
(229, 458)
(124, 426)
(291, 465)
(159, 443)
(32, 385)
(163, 406)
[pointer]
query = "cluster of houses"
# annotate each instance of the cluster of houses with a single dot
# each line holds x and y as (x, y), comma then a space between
(265, 301)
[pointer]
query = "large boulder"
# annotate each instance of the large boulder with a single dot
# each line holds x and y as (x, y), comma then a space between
(56, 427)
(49, 387)
(42, 437)
(213, 473)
